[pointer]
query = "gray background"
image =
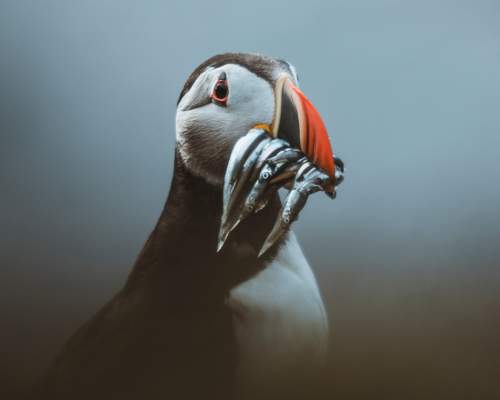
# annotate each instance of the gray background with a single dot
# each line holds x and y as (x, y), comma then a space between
(406, 257)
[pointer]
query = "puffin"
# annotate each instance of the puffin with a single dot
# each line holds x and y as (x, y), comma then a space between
(193, 320)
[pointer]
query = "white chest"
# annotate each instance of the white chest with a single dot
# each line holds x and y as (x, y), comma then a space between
(279, 319)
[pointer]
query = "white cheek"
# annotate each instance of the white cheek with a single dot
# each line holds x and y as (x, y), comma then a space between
(201, 85)
(182, 122)
(251, 102)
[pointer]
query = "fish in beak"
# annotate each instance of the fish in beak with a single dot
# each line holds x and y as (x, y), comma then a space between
(298, 155)
(298, 122)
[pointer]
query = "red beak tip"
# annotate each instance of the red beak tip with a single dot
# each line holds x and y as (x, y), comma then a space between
(315, 142)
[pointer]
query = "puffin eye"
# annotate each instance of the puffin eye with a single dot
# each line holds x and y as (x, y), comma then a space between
(220, 91)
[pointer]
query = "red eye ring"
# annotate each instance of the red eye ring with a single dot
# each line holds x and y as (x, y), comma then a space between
(220, 92)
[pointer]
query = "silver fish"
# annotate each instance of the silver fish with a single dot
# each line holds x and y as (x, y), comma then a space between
(229, 219)
(260, 166)
(310, 180)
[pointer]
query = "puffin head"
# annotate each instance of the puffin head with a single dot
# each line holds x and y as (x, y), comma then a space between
(229, 94)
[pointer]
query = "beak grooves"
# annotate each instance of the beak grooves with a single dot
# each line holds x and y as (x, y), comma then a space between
(298, 122)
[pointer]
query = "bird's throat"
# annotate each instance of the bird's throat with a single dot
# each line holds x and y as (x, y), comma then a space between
(179, 258)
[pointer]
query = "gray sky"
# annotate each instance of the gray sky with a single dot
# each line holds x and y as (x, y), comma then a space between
(407, 256)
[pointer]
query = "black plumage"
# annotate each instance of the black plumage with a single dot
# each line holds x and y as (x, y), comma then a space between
(168, 333)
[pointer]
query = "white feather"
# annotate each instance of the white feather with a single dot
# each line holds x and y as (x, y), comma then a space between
(250, 102)
(280, 321)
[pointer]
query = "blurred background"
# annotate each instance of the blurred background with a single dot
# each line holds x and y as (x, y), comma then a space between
(408, 255)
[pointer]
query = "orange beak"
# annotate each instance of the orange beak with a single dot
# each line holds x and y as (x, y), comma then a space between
(298, 122)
